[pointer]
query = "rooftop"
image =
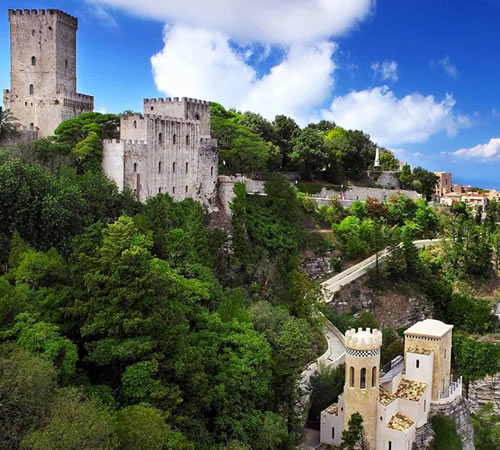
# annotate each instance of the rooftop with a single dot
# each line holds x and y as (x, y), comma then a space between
(411, 390)
(429, 328)
(400, 422)
(385, 397)
(420, 351)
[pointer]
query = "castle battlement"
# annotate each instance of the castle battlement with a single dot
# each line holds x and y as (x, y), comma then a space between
(148, 101)
(363, 340)
(80, 97)
(47, 13)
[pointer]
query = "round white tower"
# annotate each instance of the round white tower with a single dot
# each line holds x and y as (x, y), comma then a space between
(362, 367)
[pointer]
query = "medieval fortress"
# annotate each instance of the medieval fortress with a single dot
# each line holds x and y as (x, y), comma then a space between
(167, 149)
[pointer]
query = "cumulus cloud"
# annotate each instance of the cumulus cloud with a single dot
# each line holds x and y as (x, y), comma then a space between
(202, 63)
(484, 152)
(394, 121)
(446, 65)
(387, 70)
(277, 21)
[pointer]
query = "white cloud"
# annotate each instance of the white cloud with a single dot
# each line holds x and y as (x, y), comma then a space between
(388, 70)
(277, 21)
(201, 63)
(448, 67)
(484, 152)
(394, 121)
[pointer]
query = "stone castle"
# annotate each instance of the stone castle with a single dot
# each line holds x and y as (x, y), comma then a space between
(395, 403)
(167, 149)
(43, 70)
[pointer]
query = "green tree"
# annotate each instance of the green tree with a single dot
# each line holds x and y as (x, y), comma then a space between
(486, 428)
(446, 436)
(406, 177)
(27, 386)
(8, 126)
(326, 384)
(95, 425)
(354, 437)
(285, 131)
(428, 180)
(309, 152)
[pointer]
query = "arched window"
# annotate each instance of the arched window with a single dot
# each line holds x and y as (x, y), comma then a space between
(174, 139)
(32, 89)
(362, 379)
(352, 376)
(159, 167)
(187, 139)
(417, 363)
(374, 376)
(173, 167)
(196, 116)
(212, 171)
(160, 138)
(187, 167)
(135, 167)
(31, 125)
(187, 188)
(159, 190)
(152, 108)
(33, 61)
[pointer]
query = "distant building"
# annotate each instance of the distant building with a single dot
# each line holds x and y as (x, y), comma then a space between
(168, 149)
(396, 403)
(43, 70)
(444, 184)
(458, 188)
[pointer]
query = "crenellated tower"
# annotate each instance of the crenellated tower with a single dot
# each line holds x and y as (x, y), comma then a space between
(43, 69)
(361, 390)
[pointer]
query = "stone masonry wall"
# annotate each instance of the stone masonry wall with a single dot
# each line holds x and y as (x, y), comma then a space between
(486, 390)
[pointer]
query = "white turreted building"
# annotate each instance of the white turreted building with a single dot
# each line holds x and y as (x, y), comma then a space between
(394, 404)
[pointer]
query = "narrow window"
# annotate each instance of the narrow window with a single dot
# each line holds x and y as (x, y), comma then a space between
(417, 363)
(173, 190)
(444, 353)
(135, 123)
(174, 139)
(25, 103)
(362, 380)
(159, 190)
(65, 63)
(173, 167)
(33, 61)
(381, 418)
(187, 167)
(135, 167)
(160, 138)
(187, 139)
(152, 108)
(212, 171)
(159, 167)
(32, 89)
(333, 432)
(425, 404)
(390, 445)
(32, 32)
(31, 126)
(50, 28)
(374, 376)
(186, 189)
(352, 376)
(196, 116)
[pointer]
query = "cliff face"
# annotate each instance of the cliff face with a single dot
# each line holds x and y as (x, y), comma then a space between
(486, 390)
(458, 410)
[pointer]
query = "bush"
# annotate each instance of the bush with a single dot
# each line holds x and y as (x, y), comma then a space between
(446, 437)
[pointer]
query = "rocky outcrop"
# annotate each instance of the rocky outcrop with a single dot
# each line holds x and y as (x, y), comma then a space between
(483, 391)
(391, 308)
(318, 267)
(458, 411)
(423, 437)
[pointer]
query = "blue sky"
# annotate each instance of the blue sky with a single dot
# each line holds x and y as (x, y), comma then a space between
(420, 76)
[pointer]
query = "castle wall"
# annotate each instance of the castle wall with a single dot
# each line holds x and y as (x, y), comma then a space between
(43, 70)
(113, 161)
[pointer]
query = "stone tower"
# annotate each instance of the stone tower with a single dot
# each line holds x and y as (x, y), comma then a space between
(434, 336)
(43, 70)
(361, 390)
